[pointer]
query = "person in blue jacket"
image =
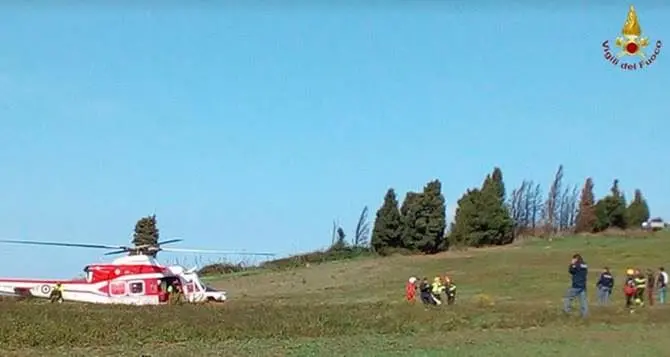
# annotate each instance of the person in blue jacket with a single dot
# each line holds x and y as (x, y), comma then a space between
(579, 272)
(605, 285)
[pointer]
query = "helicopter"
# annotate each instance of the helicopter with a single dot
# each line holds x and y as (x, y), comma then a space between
(135, 279)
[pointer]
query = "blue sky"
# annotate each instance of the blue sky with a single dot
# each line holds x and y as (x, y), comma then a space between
(254, 127)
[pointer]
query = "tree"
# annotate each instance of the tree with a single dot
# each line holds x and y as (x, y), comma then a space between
(466, 228)
(424, 219)
(517, 207)
(638, 211)
(618, 207)
(386, 231)
(340, 241)
(482, 218)
(146, 232)
(551, 207)
(410, 214)
(497, 178)
(537, 206)
(611, 210)
(586, 214)
(573, 206)
(525, 207)
(434, 217)
(499, 223)
(362, 229)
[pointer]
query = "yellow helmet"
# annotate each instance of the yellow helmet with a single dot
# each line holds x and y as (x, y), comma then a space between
(630, 271)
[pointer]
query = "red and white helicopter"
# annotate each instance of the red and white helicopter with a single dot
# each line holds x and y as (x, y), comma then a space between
(136, 279)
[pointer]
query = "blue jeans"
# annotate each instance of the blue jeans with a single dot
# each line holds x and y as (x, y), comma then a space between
(661, 295)
(604, 295)
(572, 294)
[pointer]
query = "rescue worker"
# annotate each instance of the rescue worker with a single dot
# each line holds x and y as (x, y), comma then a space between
(451, 291)
(410, 290)
(604, 286)
(640, 287)
(579, 271)
(629, 288)
(424, 290)
(179, 293)
(662, 284)
(57, 293)
(174, 293)
(651, 280)
(436, 290)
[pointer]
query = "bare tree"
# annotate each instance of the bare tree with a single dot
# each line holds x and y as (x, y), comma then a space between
(574, 205)
(553, 202)
(334, 233)
(565, 210)
(362, 229)
(537, 207)
(517, 208)
(528, 205)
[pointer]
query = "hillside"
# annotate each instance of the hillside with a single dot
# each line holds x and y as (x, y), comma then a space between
(508, 304)
(496, 272)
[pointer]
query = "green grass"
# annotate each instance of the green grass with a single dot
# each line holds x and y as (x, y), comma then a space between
(509, 304)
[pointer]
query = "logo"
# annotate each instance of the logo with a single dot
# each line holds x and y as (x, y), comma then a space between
(45, 289)
(631, 46)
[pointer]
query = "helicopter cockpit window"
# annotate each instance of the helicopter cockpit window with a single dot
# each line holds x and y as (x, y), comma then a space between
(89, 275)
(137, 287)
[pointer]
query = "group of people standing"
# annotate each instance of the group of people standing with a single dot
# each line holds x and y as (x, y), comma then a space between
(638, 286)
(431, 293)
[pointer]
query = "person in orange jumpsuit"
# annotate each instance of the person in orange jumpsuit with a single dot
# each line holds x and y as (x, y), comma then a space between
(410, 290)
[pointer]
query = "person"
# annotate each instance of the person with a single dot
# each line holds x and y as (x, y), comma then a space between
(436, 290)
(604, 286)
(424, 290)
(177, 294)
(57, 293)
(629, 288)
(451, 291)
(410, 290)
(662, 284)
(579, 271)
(640, 287)
(651, 280)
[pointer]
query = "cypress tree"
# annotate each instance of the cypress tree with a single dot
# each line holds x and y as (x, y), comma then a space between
(412, 226)
(146, 232)
(638, 211)
(386, 232)
(434, 218)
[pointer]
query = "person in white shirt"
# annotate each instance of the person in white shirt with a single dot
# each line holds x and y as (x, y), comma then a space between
(662, 285)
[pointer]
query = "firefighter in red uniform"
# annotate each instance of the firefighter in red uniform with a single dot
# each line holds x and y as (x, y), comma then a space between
(410, 290)
(629, 288)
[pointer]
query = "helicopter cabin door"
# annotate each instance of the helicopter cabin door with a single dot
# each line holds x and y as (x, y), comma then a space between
(140, 291)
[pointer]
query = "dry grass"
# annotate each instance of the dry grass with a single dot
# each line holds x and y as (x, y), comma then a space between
(509, 304)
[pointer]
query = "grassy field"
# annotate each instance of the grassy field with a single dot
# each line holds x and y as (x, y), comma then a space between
(509, 305)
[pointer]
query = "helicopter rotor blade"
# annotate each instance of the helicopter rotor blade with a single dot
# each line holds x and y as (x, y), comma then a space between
(79, 245)
(169, 241)
(207, 251)
(117, 252)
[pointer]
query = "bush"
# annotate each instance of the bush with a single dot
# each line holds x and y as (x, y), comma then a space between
(222, 268)
(317, 257)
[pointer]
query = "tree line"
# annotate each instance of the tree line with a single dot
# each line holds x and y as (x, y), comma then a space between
(487, 215)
